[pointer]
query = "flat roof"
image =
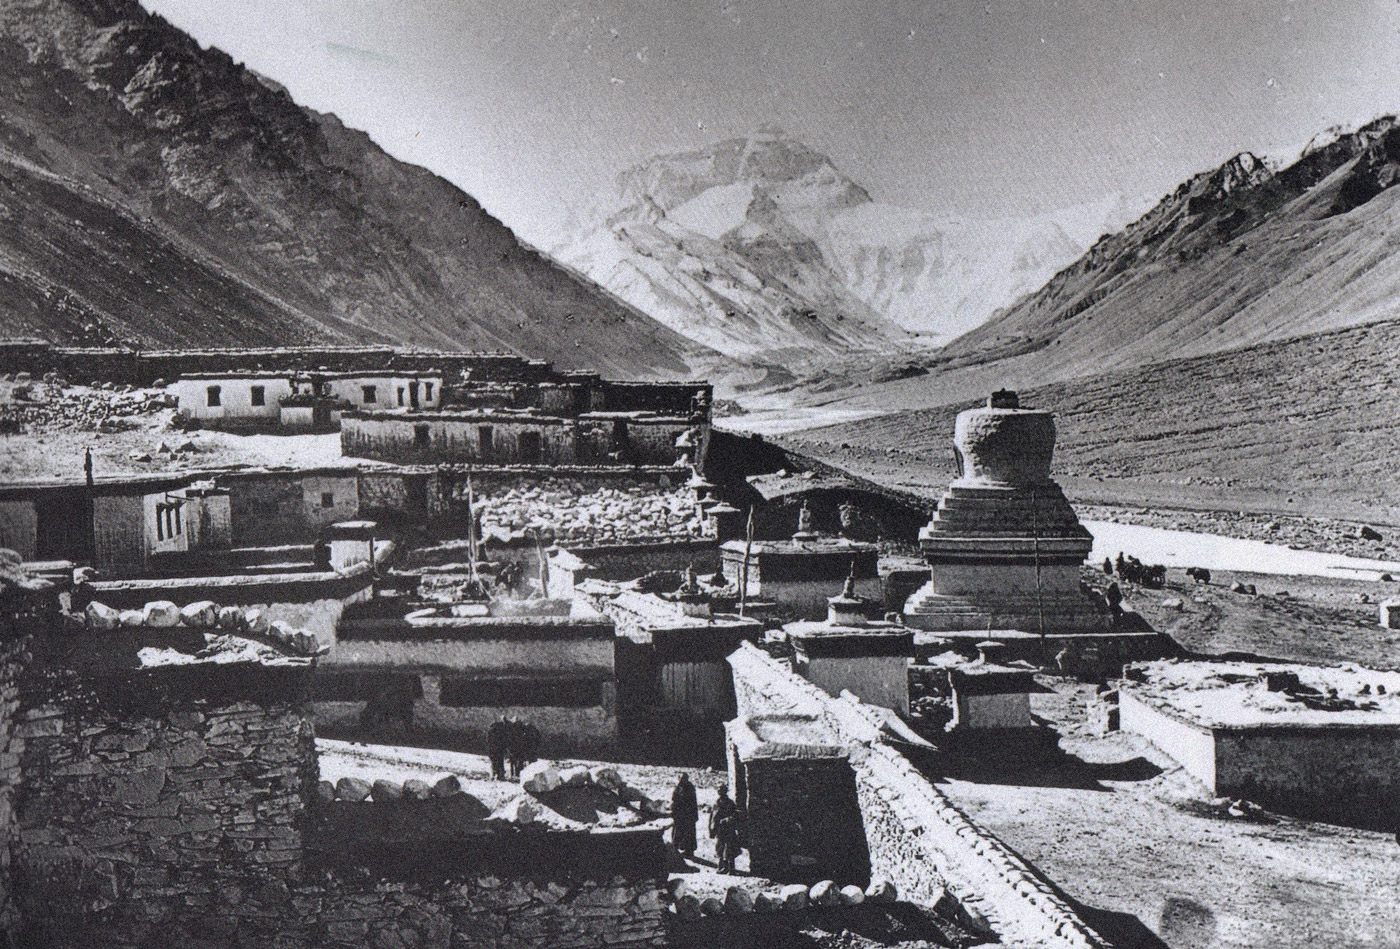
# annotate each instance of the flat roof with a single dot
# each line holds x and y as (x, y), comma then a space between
(1234, 694)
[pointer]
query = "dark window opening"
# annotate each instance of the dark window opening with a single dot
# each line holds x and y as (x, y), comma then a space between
(327, 499)
(362, 686)
(369, 394)
(420, 434)
(400, 395)
(530, 448)
(168, 524)
(485, 441)
(427, 392)
(215, 396)
(257, 395)
(464, 692)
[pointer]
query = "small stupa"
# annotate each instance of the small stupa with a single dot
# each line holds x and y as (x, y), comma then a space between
(1004, 546)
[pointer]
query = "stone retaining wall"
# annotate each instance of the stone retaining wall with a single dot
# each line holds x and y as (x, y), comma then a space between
(916, 837)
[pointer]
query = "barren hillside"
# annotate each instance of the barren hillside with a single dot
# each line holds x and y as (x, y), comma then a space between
(156, 193)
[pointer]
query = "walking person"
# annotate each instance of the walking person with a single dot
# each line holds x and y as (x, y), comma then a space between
(685, 811)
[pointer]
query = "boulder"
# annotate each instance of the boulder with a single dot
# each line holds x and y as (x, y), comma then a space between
(688, 908)
(258, 619)
(162, 614)
(711, 906)
(767, 903)
(539, 777)
(794, 896)
(417, 789)
(201, 614)
(1369, 533)
(133, 618)
(385, 792)
(881, 890)
(851, 895)
(1173, 603)
(352, 789)
(447, 786)
(231, 617)
(608, 778)
(518, 810)
(824, 893)
(101, 616)
(737, 900)
(325, 792)
(574, 777)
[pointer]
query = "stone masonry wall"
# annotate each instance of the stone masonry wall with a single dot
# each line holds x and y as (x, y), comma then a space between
(138, 821)
(177, 805)
(916, 837)
(13, 655)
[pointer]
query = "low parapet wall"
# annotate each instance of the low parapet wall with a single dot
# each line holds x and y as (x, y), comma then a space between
(916, 837)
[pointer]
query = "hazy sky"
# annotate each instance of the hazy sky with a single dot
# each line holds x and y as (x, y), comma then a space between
(983, 109)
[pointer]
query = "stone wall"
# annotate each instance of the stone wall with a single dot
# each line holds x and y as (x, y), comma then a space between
(176, 804)
(142, 815)
(916, 837)
(13, 655)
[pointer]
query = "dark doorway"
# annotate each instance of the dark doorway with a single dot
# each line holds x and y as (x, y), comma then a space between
(413, 394)
(530, 448)
(64, 529)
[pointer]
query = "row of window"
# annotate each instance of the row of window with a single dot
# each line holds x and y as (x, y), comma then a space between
(168, 524)
(257, 395)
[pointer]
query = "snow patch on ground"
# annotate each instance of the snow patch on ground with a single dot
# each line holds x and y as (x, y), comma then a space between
(1191, 549)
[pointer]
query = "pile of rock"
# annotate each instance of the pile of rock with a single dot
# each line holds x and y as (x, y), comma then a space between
(792, 898)
(384, 791)
(204, 614)
(50, 404)
(540, 779)
(567, 509)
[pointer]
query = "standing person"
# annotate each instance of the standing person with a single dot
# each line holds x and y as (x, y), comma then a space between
(530, 739)
(724, 828)
(496, 748)
(513, 750)
(684, 813)
(87, 465)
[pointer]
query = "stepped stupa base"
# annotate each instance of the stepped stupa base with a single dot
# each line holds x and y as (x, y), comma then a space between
(1053, 612)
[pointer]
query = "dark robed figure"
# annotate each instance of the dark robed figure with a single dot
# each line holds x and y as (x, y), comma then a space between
(685, 812)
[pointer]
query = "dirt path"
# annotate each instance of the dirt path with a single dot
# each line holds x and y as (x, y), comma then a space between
(1156, 863)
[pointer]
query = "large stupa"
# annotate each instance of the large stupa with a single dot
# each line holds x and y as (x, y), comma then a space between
(1004, 546)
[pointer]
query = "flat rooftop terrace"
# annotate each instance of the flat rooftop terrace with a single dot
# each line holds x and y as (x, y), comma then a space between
(1237, 694)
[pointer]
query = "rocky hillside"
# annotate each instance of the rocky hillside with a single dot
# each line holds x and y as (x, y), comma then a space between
(1236, 256)
(761, 248)
(159, 194)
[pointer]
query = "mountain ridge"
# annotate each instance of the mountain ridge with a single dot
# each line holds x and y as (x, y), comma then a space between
(765, 227)
(267, 222)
